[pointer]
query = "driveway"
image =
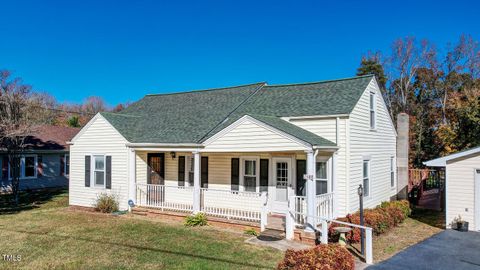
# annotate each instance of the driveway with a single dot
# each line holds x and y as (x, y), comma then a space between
(444, 251)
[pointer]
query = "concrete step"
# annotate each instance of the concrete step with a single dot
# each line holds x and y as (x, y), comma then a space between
(271, 235)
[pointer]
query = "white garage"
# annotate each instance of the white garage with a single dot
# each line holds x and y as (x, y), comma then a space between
(462, 186)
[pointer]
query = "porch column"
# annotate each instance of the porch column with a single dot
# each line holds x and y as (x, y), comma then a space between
(310, 194)
(132, 183)
(196, 182)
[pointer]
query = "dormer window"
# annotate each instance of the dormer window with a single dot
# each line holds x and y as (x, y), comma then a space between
(373, 111)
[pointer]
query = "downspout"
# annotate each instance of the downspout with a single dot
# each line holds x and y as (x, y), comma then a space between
(334, 168)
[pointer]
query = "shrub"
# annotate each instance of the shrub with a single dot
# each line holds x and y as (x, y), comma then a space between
(106, 203)
(380, 219)
(325, 257)
(199, 219)
(251, 231)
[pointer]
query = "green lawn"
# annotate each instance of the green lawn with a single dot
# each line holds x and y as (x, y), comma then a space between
(48, 235)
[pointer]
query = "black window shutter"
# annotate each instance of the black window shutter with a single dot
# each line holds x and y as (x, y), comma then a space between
(62, 165)
(108, 172)
(87, 171)
(263, 175)
(39, 166)
(235, 173)
(181, 171)
(204, 172)
(5, 167)
(301, 170)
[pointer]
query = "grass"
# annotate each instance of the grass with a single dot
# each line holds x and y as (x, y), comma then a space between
(421, 225)
(48, 235)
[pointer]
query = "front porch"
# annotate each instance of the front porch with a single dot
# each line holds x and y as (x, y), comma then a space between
(239, 187)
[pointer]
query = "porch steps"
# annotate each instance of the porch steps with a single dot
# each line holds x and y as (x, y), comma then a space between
(275, 229)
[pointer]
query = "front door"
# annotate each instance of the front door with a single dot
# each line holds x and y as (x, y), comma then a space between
(156, 168)
(282, 181)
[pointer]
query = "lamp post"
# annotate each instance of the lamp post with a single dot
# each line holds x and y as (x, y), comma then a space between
(362, 232)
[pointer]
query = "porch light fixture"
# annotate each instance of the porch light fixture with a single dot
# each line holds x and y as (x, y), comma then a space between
(172, 154)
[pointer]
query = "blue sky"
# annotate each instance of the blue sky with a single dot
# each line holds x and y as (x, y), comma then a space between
(121, 50)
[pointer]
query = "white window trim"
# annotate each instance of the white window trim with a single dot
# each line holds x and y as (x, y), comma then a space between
(92, 171)
(22, 167)
(394, 171)
(327, 160)
(374, 110)
(242, 172)
(65, 165)
(369, 177)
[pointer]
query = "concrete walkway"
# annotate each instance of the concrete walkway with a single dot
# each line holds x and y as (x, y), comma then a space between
(282, 244)
(444, 251)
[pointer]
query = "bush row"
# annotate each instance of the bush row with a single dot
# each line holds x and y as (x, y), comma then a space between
(380, 219)
(325, 257)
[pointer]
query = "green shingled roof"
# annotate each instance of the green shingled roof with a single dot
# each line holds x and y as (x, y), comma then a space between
(192, 117)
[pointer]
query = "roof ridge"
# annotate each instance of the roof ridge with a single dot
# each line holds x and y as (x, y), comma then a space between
(324, 81)
(120, 114)
(232, 111)
(206, 89)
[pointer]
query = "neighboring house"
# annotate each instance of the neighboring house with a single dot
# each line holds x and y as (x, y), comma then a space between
(462, 186)
(46, 161)
(218, 150)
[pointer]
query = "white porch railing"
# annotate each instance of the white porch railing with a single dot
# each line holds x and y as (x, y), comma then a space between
(323, 207)
(232, 204)
(241, 205)
(165, 197)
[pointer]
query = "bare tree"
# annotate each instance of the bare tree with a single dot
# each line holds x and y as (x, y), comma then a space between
(19, 117)
(93, 105)
(407, 57)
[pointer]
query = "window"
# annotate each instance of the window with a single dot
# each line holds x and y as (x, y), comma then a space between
(250, 175)
(392, 172)
(190, 165)
(67, 165)
(372, 111)
(282, 174)
(28, 167)
(366, 178)
(321, 178)
(99, 170)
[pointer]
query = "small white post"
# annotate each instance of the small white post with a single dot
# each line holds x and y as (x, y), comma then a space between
(263, 214)
(324, 237)
(289, 221)
(132, 187)
(368, 246)
(196, 182)
(310, 194)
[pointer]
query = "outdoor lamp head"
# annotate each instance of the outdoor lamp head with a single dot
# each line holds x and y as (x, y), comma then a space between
(360, 190)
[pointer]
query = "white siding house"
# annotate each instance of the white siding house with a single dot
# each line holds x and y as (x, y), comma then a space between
(462, 186)
(241, 151)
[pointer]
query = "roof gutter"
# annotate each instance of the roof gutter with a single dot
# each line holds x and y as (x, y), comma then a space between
(133, 145)
(326, 148)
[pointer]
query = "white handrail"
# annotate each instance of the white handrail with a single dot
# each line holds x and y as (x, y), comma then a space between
(290, 227)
